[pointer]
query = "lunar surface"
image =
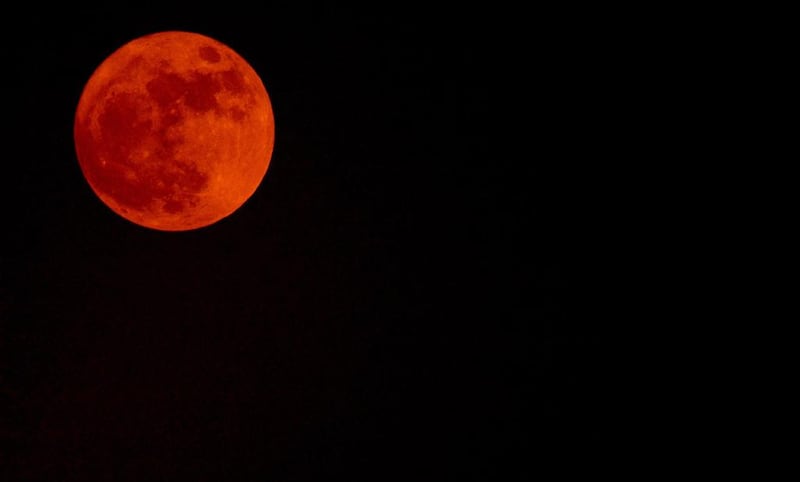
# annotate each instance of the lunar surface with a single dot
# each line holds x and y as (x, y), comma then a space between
(174, 131)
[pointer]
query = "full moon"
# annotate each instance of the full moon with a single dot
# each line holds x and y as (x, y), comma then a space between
(174, 131)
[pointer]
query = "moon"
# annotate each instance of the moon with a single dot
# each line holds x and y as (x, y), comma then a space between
(174, 131)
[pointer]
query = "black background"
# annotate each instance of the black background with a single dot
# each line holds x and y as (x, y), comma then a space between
(395, 302)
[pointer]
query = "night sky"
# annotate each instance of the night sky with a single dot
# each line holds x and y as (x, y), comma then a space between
(395, 301)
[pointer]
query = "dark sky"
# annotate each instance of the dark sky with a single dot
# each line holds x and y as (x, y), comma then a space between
(378, 310)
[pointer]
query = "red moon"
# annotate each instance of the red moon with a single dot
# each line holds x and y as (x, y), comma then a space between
(174, 131)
